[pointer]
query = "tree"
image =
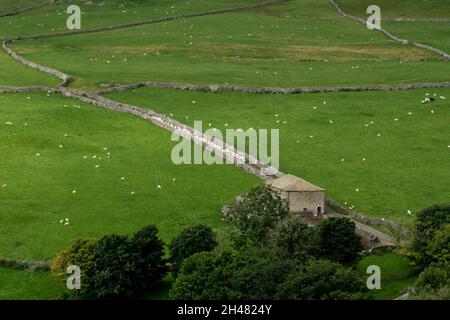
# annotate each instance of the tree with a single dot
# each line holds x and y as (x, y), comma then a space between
(438, 250)
(432, 284)
(122, 265)
(337, 241)
(197, 238)
(323, 280)
(428, 222)
(257, 213)
(111, 273)
(246, 275)
(257, 274)
(200, 277)
(294, 239)
(147, 251)
(80, 253)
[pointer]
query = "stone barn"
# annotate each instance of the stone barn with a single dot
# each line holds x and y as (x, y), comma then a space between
(303, 196)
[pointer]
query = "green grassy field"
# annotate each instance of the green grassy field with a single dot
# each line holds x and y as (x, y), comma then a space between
(433, 34)
(15, 74)
(102, 13)
(380, 153)
(22, 285)
(399, 8)
(396, 274)
(48, 179)
(11, 5)
(260, 48)
(413, 150)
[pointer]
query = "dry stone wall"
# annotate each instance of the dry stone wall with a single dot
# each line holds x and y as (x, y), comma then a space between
(151, 21)
(269, 90)
(391, 36)
(64, 77)
(26, 9)
(227, 151)
(25, 264)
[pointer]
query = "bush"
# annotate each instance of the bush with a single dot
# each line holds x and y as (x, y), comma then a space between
(337, 241)
(80, 253)
(294, 239)
(323, 280)
(257, 213)
(195, 239)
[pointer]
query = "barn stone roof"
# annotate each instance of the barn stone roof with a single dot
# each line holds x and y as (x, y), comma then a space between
(293, 183)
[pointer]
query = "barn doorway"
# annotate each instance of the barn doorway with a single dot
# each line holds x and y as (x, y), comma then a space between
(319, 209)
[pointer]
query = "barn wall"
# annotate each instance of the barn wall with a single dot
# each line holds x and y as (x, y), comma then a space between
(309, 200)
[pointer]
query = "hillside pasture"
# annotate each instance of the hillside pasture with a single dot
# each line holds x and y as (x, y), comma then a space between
(380, 153)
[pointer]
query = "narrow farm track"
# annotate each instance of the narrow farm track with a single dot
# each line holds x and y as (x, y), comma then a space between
(445, 55)
(226, 151)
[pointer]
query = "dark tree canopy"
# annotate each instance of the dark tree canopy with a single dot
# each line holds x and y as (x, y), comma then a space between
(122, 265)
(337, 241)
(429, 221)
(147, 251)
(323, 280)
(201, 278)
(256, 275)
(260, 275)
(195, 239)
(294, 239)
(112, 265)
(246, 275)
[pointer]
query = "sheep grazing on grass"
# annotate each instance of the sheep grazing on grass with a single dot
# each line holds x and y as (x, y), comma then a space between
(428, 100)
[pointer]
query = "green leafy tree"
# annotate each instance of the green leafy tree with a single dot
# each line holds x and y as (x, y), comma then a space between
(201, 277)
(256, 275)
(257, 213)
(246, 275)
(337, 241)
(323, 280)
(122, 265)
(111, 273)
(80, 253)
(428, 222)
(432, 284)
(438, 249)
(147, 251)
(195, 239)
(294, 239)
